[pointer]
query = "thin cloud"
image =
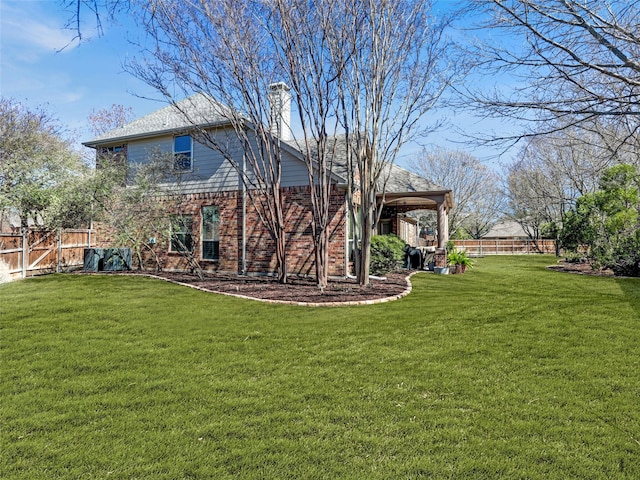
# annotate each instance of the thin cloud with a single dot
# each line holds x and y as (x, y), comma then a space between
(22, 28)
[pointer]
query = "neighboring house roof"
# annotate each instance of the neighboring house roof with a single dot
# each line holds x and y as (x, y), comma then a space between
(198, 109)
(506, 229)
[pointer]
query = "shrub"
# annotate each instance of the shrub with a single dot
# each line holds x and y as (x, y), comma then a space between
(607, 222)
(387, 254)
(450, 246)
(574, 257)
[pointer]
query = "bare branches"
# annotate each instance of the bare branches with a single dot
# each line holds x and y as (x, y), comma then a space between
(554, 170)
(106, 119)
(98, 10)
(478, 200)
(222, 51)
(395, 62)
(578, 61)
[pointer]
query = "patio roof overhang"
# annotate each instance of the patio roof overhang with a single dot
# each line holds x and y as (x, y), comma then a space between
(440, 201)
(418, 200)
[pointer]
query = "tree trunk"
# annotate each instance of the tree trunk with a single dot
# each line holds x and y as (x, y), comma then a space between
(366, 233)
(322, 259)
(281, 257)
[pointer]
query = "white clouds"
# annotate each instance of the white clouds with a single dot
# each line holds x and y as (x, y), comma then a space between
(28, 33)
(67, 83)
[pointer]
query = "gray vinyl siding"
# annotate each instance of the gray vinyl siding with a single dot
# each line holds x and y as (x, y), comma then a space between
(294, 171)
(211, 171)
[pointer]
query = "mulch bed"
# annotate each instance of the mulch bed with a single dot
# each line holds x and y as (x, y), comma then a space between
(297, 290)
(580, 268)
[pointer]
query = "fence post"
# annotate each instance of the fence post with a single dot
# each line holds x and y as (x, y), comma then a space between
(59, 250)
(25, 252)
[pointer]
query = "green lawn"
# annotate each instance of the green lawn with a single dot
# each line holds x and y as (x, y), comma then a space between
(507, 371)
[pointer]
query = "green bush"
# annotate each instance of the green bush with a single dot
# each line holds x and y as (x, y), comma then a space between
(607, 222)
(387, 254)
(450, 246)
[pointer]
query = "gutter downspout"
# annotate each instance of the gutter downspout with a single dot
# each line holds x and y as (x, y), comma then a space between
(244, 216)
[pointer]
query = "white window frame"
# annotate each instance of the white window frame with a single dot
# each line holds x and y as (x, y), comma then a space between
(176, 220)
(178, 165)
(215, 234)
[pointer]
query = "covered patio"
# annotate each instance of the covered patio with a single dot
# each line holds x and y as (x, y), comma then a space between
(406, 192)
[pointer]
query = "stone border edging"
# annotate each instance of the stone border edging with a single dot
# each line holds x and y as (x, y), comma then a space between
(374, 301)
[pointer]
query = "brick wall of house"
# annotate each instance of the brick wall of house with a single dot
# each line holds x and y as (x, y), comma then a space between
(259, 244)
(300, 257)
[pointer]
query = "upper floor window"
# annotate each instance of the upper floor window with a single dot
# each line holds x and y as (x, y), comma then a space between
(111, 156)
(182, 152)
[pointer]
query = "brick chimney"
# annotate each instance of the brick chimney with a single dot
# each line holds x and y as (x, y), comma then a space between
(280, 104)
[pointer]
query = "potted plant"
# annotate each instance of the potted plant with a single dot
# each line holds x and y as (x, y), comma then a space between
(460, 261)
(452, 261)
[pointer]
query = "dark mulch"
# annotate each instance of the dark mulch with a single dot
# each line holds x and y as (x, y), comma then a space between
(298, 289)
(580, 268)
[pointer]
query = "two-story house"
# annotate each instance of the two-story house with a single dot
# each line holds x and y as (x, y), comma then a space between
(222, 225)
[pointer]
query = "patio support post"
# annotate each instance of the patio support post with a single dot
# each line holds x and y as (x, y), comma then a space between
(443, 225)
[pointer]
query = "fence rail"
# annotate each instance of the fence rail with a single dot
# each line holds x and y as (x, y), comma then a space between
(33, 252)
(506, 247)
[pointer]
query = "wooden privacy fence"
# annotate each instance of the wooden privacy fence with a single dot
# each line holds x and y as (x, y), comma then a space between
(506, 247)
(33, 252)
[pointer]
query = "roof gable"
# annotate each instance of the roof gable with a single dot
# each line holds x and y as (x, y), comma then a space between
(198, 109)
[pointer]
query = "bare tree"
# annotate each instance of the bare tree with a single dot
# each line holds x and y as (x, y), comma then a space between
(530, 190)
(302, 34)
(574, 61)
(146, 212)
(394, 62)
(106, 119)
(376, 66)
(552, 171)
(220, 50)
(547, 177)
(98, 10)
(136, 213)
(478, 198)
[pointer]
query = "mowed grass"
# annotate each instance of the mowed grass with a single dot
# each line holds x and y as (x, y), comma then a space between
(507, 371)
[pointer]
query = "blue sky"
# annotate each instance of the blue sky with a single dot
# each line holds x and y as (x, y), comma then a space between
(69, 82)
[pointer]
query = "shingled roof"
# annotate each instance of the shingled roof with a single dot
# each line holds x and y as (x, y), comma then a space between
(203, 111)
(199, 109)
(400, 180)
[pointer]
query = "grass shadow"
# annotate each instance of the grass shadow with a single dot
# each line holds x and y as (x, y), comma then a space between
(630, 287)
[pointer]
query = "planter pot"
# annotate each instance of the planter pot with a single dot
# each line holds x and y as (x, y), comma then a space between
(441, 270)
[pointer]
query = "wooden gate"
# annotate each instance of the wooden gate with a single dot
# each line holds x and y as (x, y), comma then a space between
(35, 252)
